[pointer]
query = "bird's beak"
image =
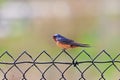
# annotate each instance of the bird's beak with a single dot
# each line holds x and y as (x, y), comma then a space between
(54, 38)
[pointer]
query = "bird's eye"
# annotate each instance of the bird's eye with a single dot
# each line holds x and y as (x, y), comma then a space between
(54, 36)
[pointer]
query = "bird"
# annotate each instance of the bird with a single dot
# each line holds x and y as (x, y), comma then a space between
(66, 43)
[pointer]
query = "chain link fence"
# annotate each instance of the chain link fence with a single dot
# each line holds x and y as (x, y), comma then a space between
(67, 67)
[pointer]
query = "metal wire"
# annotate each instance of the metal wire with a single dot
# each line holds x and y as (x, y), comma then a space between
(113, 62)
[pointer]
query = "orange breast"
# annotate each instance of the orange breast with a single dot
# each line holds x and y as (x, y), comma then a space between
(65, 46)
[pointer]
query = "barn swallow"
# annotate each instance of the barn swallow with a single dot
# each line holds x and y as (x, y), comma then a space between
(66, 43)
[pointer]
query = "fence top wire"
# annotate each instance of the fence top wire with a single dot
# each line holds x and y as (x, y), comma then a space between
(74, 62)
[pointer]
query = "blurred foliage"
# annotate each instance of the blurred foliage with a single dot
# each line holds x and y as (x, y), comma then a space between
(89, 24)
(1, 1)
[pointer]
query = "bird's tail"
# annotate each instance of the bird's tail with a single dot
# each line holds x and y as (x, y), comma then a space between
(81, 45)
(84, 45)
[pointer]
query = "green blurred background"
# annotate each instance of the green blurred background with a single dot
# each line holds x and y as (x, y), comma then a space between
(30, 24)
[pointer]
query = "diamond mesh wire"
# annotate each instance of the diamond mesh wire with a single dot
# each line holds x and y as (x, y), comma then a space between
(23, 67)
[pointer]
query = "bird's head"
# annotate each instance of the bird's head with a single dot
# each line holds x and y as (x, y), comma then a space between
(55, 36)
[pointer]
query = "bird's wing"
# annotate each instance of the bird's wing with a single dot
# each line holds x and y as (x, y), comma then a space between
(65, 40)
